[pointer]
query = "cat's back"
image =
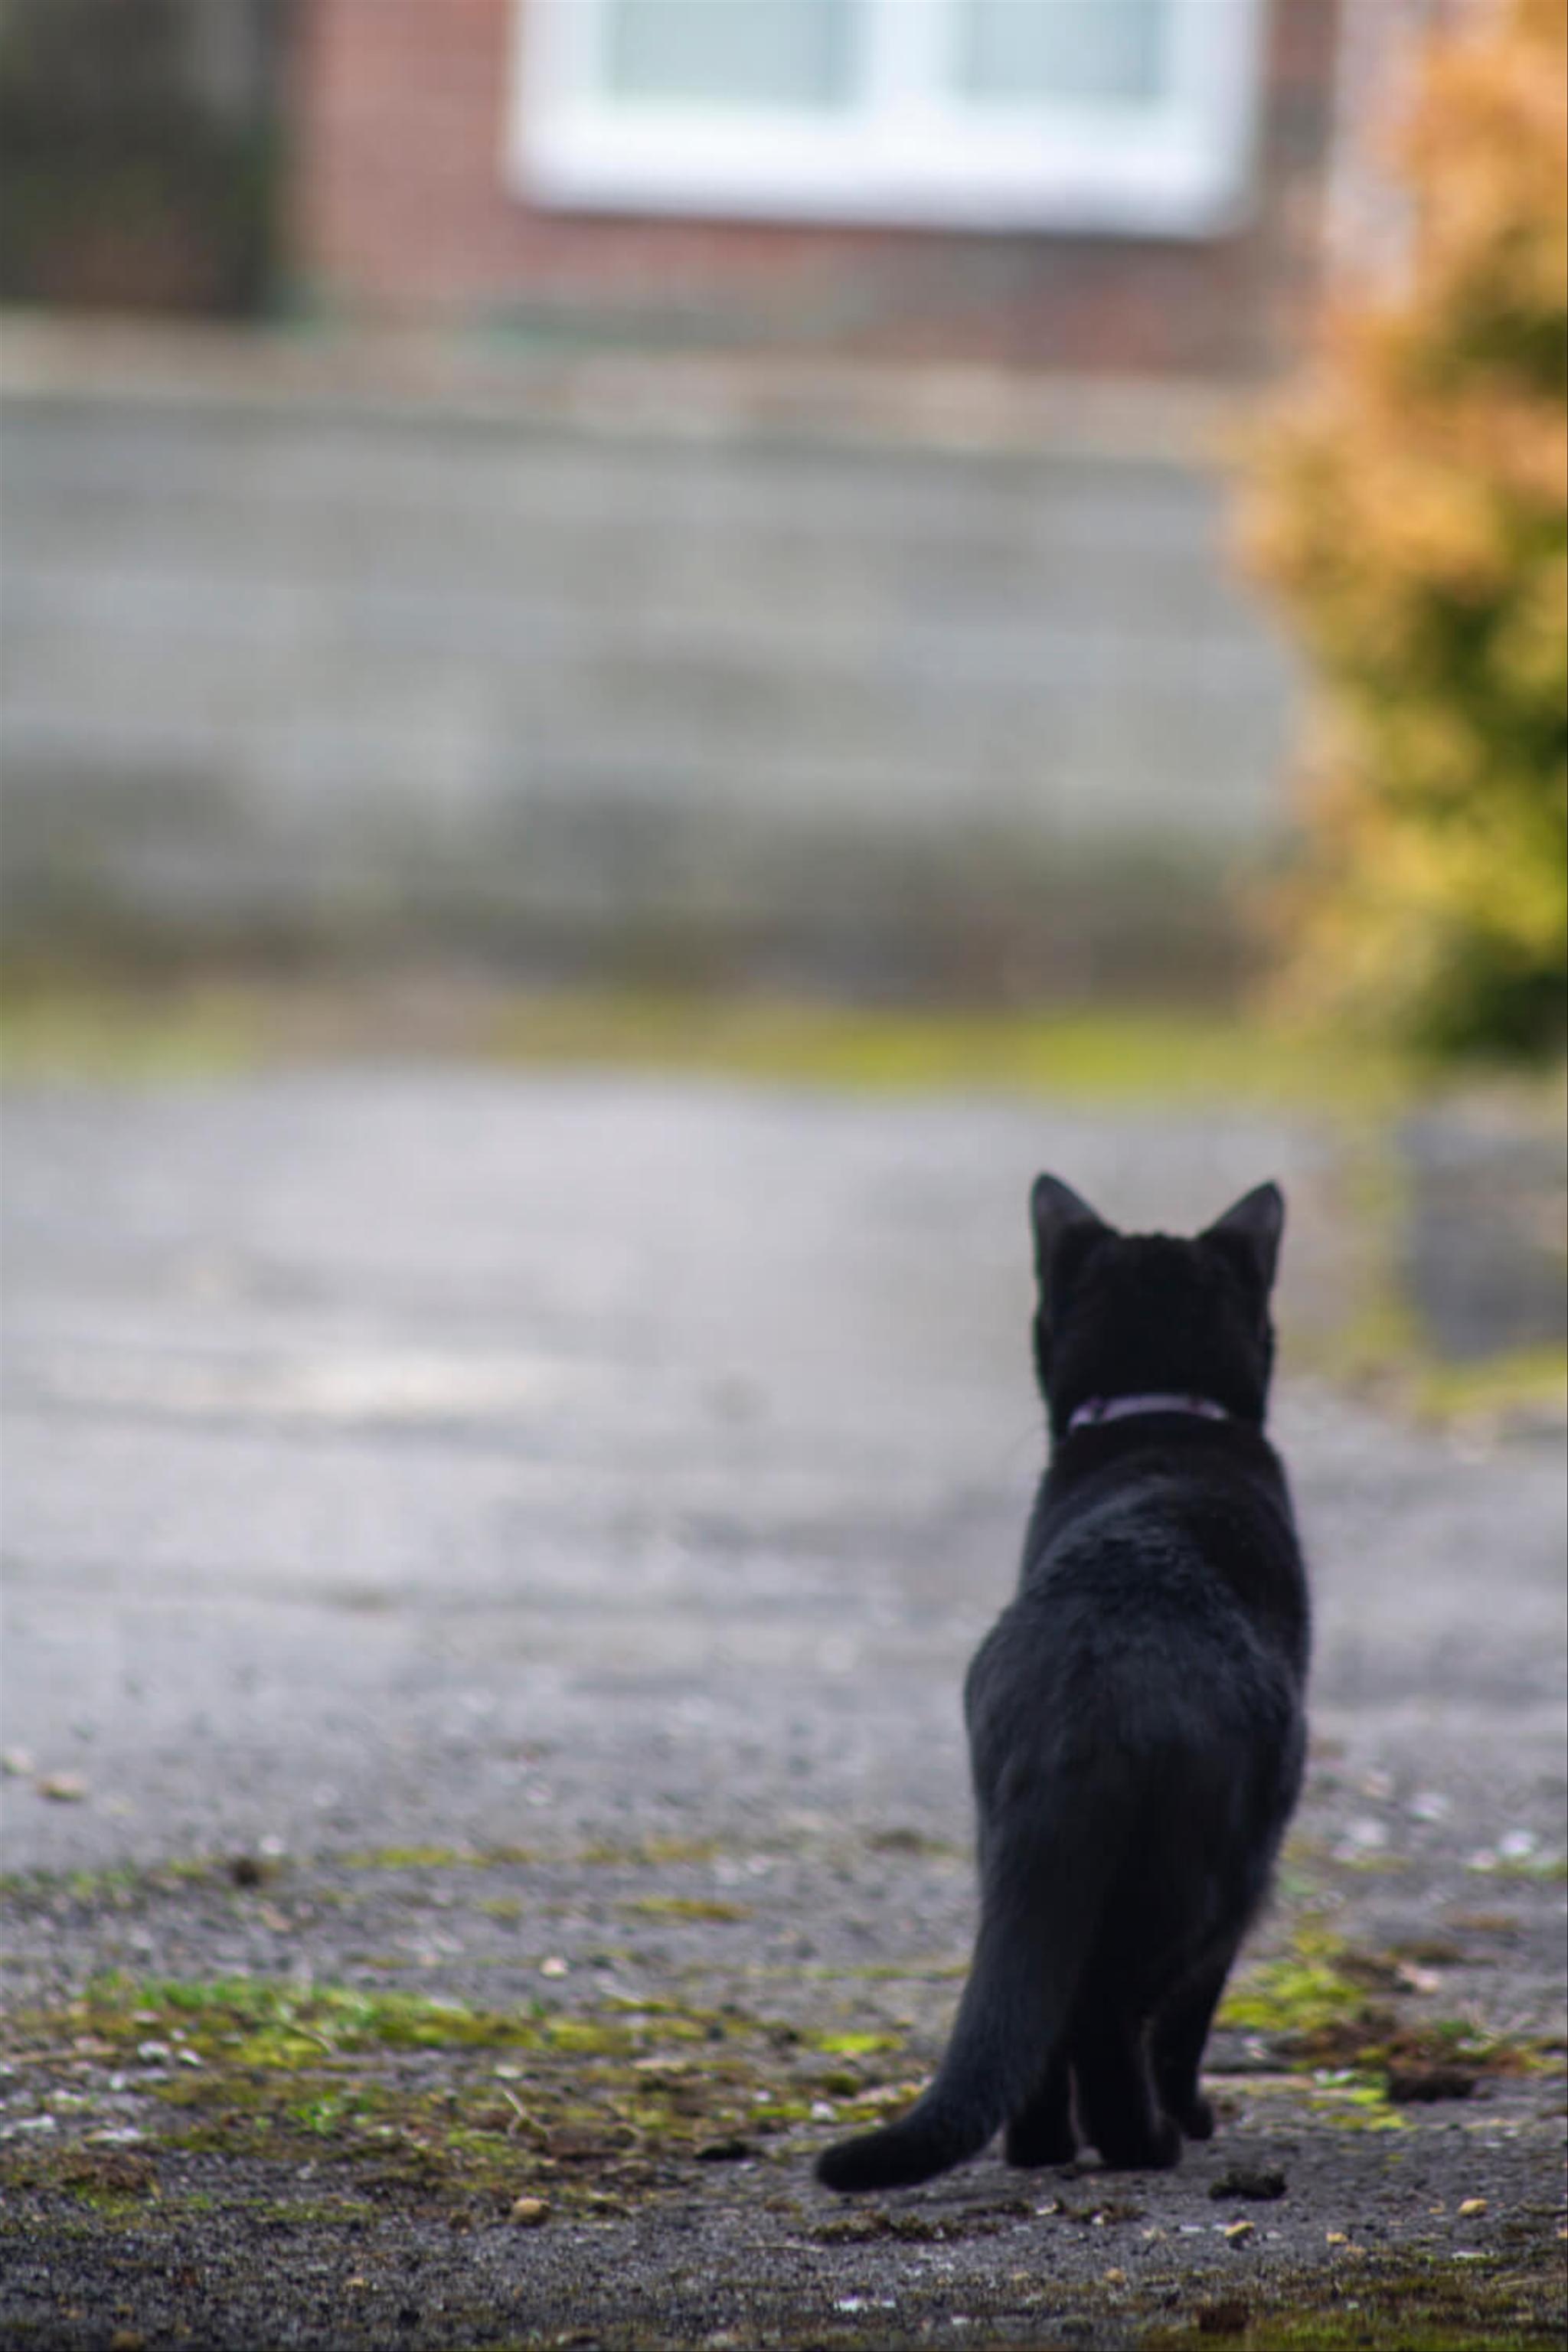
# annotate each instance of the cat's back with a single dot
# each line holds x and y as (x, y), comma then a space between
(1169, 1524)
(1160, 1594)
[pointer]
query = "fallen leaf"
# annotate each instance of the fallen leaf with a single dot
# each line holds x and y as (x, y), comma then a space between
(120, 2173)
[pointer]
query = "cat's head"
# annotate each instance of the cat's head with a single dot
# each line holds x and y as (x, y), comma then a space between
(1136, 1314)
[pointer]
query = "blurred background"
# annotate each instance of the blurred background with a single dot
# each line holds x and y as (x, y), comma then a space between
(651, 649)
(716, 501)
(672, 489)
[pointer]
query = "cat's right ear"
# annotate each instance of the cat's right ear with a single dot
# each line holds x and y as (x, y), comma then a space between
(1065, 1225)
(1250, 1233)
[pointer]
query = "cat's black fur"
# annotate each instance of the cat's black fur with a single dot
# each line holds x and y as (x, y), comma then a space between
(1135, 1716)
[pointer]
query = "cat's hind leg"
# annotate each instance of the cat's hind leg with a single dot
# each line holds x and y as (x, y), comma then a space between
(1118, 2107)
(1179, 2039)
(1042, 2130)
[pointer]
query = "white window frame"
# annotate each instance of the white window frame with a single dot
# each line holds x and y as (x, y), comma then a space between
(913, 154)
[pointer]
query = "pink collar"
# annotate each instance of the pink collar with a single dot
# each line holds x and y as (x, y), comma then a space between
(1094, 1410)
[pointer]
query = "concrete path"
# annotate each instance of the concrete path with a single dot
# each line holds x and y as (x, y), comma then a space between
(420, 1459)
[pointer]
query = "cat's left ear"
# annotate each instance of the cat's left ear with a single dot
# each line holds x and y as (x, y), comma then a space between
(1250, 1233)
(1064, 1227)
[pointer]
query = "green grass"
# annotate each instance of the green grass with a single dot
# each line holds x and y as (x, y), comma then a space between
(1523, 1379)
(1128, 1055)
(197, 1027)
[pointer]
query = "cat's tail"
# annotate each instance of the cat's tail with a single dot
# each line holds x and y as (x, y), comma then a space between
(1040, 1905)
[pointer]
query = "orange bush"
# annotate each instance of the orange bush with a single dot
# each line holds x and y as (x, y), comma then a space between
(1410, 511)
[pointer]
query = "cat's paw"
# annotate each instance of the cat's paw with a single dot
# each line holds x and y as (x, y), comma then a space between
(1195, 2116)
(1028, 2145)
(1154, 2150)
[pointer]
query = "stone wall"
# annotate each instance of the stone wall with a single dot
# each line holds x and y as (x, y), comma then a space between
(625, 667)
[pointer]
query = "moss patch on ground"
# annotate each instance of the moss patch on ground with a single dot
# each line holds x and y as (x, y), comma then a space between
(1324, 2009)
(1389, 2303)
(436, 2101)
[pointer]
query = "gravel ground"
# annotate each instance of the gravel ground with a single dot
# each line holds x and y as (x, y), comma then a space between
(515, 1542)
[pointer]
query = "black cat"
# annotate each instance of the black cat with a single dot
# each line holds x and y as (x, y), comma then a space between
(1135, 1716)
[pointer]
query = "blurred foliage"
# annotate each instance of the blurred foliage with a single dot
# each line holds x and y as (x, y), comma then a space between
(139, 152)
(1411, 511)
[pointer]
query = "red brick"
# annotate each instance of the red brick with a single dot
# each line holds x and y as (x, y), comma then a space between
(400, 208)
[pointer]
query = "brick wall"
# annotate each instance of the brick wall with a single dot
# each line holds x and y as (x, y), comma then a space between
(400, 208)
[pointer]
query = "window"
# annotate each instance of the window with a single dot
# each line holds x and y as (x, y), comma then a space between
(1119, 115)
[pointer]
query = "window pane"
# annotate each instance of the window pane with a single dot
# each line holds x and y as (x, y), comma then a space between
(731, 52)
(1093, 49)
